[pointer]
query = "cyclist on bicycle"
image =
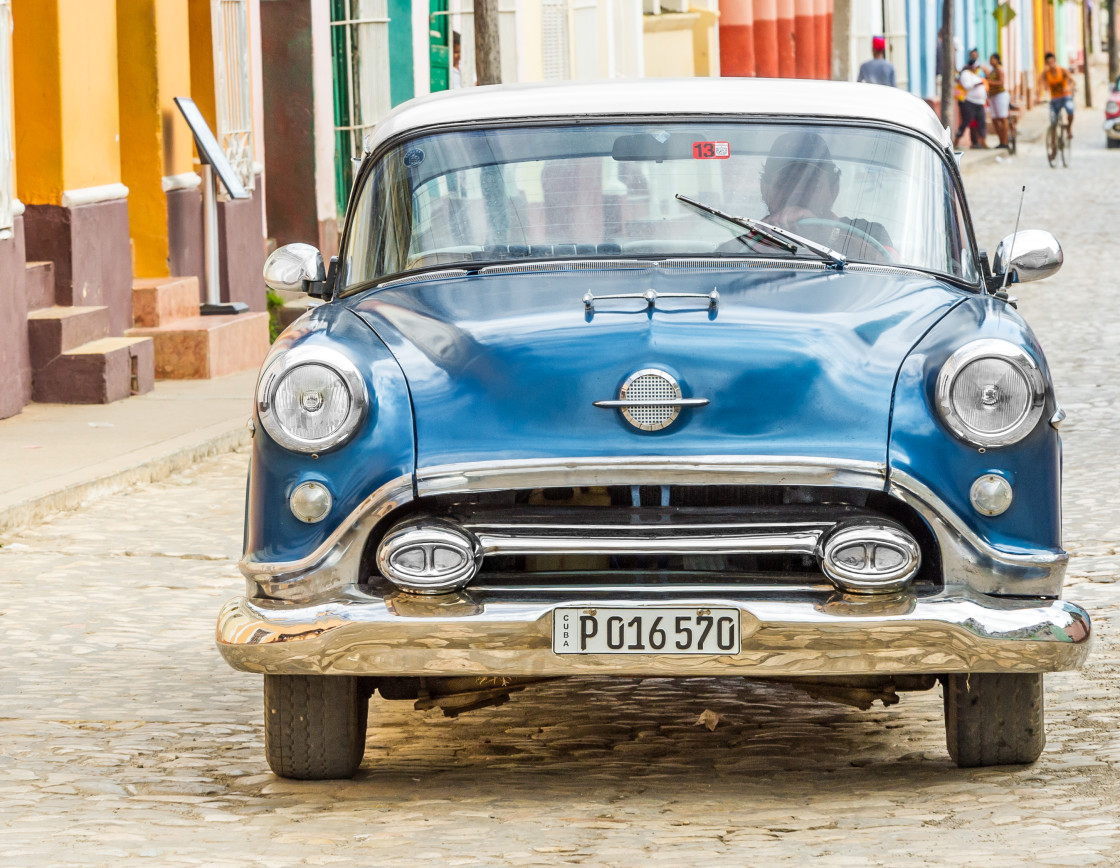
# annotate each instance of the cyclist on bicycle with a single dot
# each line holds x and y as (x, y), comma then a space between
(1059, 84)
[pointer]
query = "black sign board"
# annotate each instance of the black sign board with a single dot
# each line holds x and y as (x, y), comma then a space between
(209, 151)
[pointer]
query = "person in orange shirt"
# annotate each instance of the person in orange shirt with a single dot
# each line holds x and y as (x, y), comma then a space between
(1059, 85)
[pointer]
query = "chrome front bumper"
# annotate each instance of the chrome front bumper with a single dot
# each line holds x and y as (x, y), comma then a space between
(511, 634)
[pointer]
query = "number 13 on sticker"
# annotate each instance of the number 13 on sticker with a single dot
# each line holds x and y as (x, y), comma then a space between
(711, 150)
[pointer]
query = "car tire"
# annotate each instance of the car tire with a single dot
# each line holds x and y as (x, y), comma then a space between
(994, 720)
(1112, 143)
(314, 725)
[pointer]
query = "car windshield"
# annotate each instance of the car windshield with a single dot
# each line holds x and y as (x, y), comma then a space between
(606, 190)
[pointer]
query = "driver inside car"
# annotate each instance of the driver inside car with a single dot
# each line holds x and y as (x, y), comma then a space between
(799, 185)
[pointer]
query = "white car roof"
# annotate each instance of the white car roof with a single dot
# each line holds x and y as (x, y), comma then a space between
(655, 96)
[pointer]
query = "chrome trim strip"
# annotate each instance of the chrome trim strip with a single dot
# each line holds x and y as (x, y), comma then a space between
(675, 402)
(424, 277)
(468, 634)
(968, 559)
(736, 542)
(649, 470)
(1059, 416)
(334, 563)
(572, 265)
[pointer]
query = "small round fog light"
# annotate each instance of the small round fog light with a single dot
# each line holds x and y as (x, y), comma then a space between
(990, 494)
(310, 502)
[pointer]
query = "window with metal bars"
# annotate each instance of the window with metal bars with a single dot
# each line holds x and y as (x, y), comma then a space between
(7, 198)
(360, 53)
(555, 36)
(233, 91)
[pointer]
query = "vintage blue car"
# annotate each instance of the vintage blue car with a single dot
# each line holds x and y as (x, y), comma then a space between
(658, 378)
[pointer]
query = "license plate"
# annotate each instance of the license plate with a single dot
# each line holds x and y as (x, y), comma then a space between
(688, 630)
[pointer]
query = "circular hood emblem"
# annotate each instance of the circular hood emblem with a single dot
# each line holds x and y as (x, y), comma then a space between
(652, 399)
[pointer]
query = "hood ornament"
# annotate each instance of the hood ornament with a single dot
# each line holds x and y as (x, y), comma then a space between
(650, 400)
(651, 297)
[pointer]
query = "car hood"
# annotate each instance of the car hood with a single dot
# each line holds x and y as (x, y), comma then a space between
(793, 362)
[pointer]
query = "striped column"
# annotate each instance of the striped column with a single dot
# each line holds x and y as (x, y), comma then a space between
(736, 37)
(804, 39)
(766, 38)
(783, 29)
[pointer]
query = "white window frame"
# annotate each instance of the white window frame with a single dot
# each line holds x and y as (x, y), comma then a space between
(233, 91)
(7, 181)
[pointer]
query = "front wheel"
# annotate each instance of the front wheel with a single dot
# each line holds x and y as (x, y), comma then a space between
(1112, 143)
(994, 720)
(314, 725)
(1066, 146)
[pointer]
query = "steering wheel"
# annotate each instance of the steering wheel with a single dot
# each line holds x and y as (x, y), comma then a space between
(848, 229)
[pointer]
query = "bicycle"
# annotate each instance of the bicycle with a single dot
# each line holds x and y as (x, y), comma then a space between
(1058, 143)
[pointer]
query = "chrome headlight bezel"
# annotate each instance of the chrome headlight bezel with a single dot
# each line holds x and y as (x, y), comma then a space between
(285, 363)
(991, 348)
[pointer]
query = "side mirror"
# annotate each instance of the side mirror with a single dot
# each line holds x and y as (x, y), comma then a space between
(295, 268)
(1029, 255)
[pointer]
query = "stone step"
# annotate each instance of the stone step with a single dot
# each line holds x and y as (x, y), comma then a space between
(40, 285)
(53, 330)
(158, 301)
(208, 346)
(97, 372)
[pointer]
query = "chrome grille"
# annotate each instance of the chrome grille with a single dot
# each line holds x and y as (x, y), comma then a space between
(657, 388)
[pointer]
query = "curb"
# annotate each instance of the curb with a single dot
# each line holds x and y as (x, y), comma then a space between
(72, 496)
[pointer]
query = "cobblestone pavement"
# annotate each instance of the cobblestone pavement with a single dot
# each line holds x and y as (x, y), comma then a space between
(125, 739)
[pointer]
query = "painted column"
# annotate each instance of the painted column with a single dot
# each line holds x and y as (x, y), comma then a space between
(15, 359)
(822, 27)
(766, 38)
(786, 38)
(804, 39)
(69, 158)
(164, 203)
(299, 126)
(736, 37)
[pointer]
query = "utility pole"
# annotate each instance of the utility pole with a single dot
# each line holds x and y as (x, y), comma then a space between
(1113, 60)
(1086, 49)
(487, 51)
(948, 64)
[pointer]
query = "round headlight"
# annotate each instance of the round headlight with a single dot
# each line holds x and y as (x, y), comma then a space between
(991, 393)
(311, 399)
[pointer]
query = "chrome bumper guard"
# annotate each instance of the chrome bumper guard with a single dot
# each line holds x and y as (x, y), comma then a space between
(503, 634)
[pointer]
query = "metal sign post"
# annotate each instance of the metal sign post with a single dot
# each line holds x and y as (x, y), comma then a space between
(214, 166)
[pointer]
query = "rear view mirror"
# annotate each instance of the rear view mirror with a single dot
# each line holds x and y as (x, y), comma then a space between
(295, 268)
(655, 147)
(1029, 255)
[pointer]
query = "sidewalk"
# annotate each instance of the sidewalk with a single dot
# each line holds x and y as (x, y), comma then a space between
(62, 454)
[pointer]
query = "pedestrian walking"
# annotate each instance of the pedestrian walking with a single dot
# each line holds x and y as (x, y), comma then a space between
(878, 70)
(999, 100)
(973, 115)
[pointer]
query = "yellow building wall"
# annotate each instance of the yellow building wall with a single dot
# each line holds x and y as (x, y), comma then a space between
(67, 119)
(154, 66)
(668, 45)
(174, 68)
(37, 93)
(87, 44)
(202, 60)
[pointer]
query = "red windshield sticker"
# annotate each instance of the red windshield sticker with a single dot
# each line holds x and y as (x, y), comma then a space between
(711, 150)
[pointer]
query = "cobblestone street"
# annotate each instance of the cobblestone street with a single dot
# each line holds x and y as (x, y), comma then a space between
(125, 739)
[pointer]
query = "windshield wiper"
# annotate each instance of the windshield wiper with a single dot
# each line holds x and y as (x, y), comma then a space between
(782, 238)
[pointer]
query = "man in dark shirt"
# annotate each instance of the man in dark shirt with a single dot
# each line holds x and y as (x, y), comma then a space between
(878, 70)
